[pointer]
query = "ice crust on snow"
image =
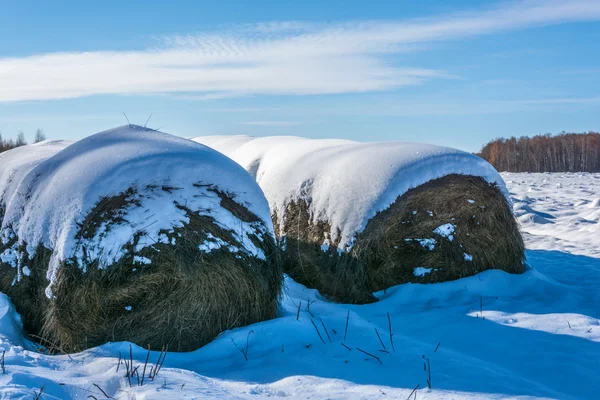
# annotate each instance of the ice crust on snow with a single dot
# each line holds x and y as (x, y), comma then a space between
(344, 182)
(55, 185)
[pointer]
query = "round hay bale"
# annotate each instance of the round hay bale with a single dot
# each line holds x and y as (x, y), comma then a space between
(354, 218)
(152, 239)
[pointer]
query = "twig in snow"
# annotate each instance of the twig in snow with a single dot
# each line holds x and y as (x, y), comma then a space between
(119, 363)
(128, 375)
(308, 307)
(137, 374)
(155, 367)
(325, 328)
(346, 346)
(130, 361)
(2, 362)
(244, 351)
(414, 391)
(569, 325)
(379, 337)
(38, 395)
(391, 334)
(428, 373)
(437, 347)
(481, 307)
(318, 333)
(371, 355)
(347, 319)
(160, 362)
(298, 312)
(100, 389)
(145, 364)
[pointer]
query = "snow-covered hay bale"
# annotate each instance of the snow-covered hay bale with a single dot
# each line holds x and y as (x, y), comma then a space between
(15, 165)
(354, 218)
(133, 234)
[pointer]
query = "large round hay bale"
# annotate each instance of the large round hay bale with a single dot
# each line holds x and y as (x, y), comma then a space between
(145, 237)
(354, 218)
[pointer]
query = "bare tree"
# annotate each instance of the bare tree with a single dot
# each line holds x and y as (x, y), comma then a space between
(40, 136)
(21, 139)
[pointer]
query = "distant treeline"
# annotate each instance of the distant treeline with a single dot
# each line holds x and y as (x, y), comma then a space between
(7, 144)
(566, 152)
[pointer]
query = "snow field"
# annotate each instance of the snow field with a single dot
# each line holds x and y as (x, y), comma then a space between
(490, 336)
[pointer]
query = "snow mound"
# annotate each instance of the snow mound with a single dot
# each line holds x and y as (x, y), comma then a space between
(159, 173)
(344, 182)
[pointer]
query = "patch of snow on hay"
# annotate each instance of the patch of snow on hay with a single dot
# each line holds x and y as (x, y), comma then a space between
(428, 243)
(446, 231)
(468, 257)
(9, 256)
(329, 173)
(142, 260)
(76, 178)
(421, 271)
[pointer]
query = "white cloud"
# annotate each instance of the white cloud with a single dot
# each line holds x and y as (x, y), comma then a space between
(278, 58)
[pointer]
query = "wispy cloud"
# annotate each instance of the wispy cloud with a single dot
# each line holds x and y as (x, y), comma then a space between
(271, 123)
(278, 58)
(566, 100)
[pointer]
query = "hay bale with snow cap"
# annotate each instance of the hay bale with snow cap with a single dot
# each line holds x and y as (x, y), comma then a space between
(145, 237)
(354, 218)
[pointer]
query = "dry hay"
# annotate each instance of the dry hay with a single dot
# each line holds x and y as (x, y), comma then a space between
(179, 296)
(386, 252)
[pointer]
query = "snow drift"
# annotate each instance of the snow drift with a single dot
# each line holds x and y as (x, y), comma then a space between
(347, 203)
(133, 234)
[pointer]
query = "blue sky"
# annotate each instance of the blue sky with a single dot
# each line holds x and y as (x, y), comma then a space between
(456, 73)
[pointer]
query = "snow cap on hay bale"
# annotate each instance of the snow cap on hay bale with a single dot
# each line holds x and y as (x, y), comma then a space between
(354, 218)
(17, 279)
(149, 238)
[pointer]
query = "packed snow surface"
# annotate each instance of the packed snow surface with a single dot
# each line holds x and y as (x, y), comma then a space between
(53, 195)
(345, 183)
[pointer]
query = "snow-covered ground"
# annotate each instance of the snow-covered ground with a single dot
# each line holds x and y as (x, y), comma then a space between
(493, 335)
